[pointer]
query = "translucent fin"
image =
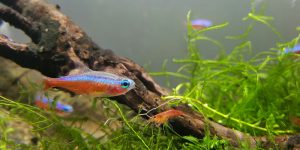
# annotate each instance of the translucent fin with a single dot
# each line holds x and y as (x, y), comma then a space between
(80, 68)
(47, 84)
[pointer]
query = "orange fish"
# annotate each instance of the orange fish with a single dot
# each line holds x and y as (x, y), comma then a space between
(295, 120)
(163, 117)
(95, 83)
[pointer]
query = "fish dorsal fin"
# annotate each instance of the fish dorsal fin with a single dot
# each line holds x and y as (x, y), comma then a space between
(80, 68)
(102, 74)
(79, 71)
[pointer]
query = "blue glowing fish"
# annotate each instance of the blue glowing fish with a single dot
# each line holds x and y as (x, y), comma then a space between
(95, 83)
(295, 49)
(199, 24)
(45, 103)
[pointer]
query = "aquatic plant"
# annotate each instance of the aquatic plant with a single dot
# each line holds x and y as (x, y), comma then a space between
(255, 94)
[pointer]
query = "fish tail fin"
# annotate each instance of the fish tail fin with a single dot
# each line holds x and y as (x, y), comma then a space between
(48, 83)
(80, 67)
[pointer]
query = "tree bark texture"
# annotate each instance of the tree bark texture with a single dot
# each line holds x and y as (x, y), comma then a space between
(59, 46)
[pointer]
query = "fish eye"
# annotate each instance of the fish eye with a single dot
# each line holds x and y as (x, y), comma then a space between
(125, 84)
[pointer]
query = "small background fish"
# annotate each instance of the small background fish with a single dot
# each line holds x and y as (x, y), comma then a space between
(163, 117)
(295, 120)
(45, 103)
(199, 24)
(295, 49)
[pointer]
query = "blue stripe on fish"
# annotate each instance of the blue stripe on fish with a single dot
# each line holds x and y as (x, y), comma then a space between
(91, 78)
(294, 49)
(201, 22)
(97, 76)
(59, 105)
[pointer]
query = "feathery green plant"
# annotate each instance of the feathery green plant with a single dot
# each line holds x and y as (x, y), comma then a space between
(255, 94)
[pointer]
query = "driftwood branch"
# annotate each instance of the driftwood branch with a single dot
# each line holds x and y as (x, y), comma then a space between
(17, 20)
(58, 43)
